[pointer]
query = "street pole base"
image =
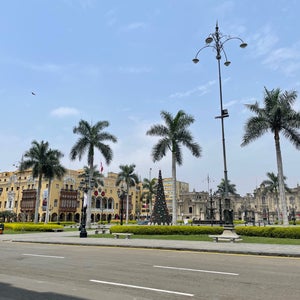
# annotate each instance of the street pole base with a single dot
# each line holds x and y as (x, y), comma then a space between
(83, 234)
(229, 231)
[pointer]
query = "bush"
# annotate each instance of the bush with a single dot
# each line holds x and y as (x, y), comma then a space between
(166, 230)
(273, 232)
(31, 227)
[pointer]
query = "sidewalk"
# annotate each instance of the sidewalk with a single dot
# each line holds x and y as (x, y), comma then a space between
(72, 238)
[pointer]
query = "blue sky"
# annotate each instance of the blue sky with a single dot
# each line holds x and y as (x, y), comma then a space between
(126, 61)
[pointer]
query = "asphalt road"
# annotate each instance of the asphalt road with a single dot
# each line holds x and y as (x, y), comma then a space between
(40, 271)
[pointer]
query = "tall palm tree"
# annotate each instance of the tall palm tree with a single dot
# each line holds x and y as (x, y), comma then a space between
(37, 158)
(272, 185)
(173, 134)
(92, 137)
(127, 176)
(221, 187)
(277, 116)
(54, 169)
(150, 187)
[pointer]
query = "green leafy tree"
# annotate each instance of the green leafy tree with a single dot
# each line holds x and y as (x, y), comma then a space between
(276, 116)
(150, 189)
(160, 214)
(92, 137)
(39, 158)
(54, 169)
(127, 176)
(221, 188)
(173, 134)
(272, 185)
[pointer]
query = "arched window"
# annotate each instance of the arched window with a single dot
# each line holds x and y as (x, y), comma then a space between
(190, 210)
(98, 203)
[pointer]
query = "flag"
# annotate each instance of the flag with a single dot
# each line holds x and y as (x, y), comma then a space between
(85, 200)
(101, 167)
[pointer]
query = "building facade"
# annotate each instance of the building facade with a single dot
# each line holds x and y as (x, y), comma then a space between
(64, 198)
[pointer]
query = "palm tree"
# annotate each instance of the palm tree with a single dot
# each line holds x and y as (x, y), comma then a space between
(98, 178)
(172, 135)
(277, 116)
(271, 185)
(150, 187)
(92, 137)
(127, 176)
(38, 157)
(54, 169)
(221, 188)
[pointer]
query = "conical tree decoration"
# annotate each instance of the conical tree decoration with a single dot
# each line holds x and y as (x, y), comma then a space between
(160, 214)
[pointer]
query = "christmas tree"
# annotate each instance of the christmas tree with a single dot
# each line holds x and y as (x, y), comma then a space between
(160, 214)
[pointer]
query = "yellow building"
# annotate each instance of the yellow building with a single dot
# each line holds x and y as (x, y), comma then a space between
(18, 192)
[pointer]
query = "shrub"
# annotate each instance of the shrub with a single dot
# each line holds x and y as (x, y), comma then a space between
(31, 227)
(273, 232)
(166, 230)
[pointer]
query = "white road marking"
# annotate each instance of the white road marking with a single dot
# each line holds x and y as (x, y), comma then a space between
(38, 255)
(142, 288)
(196, 270)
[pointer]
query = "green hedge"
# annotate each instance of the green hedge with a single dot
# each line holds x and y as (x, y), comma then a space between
(31, 227)
(166, 230)
(268, 231)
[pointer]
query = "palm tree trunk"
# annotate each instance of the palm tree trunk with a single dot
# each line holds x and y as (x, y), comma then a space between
(174, 201)
(37, 201)
(48, 202)
(127, 203)
(281, 180)
(89, 198)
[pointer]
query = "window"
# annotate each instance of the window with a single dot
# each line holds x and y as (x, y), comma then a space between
(190, 210)
(55, 202)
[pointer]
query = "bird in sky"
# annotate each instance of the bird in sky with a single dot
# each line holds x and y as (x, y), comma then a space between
(33, 93)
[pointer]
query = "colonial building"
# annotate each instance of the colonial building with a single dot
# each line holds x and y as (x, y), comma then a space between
(64, 198)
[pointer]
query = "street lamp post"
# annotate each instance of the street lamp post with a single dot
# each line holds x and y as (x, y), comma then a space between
(121, 195)
(216, 41)
(84, 188)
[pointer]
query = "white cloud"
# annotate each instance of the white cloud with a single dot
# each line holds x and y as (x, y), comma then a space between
(47, 67)
(134, 26)
(264, 41)
(284, 59)
(231, 103)
(134, 70)
(64, 112)
(202, 90)
(111, 17)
